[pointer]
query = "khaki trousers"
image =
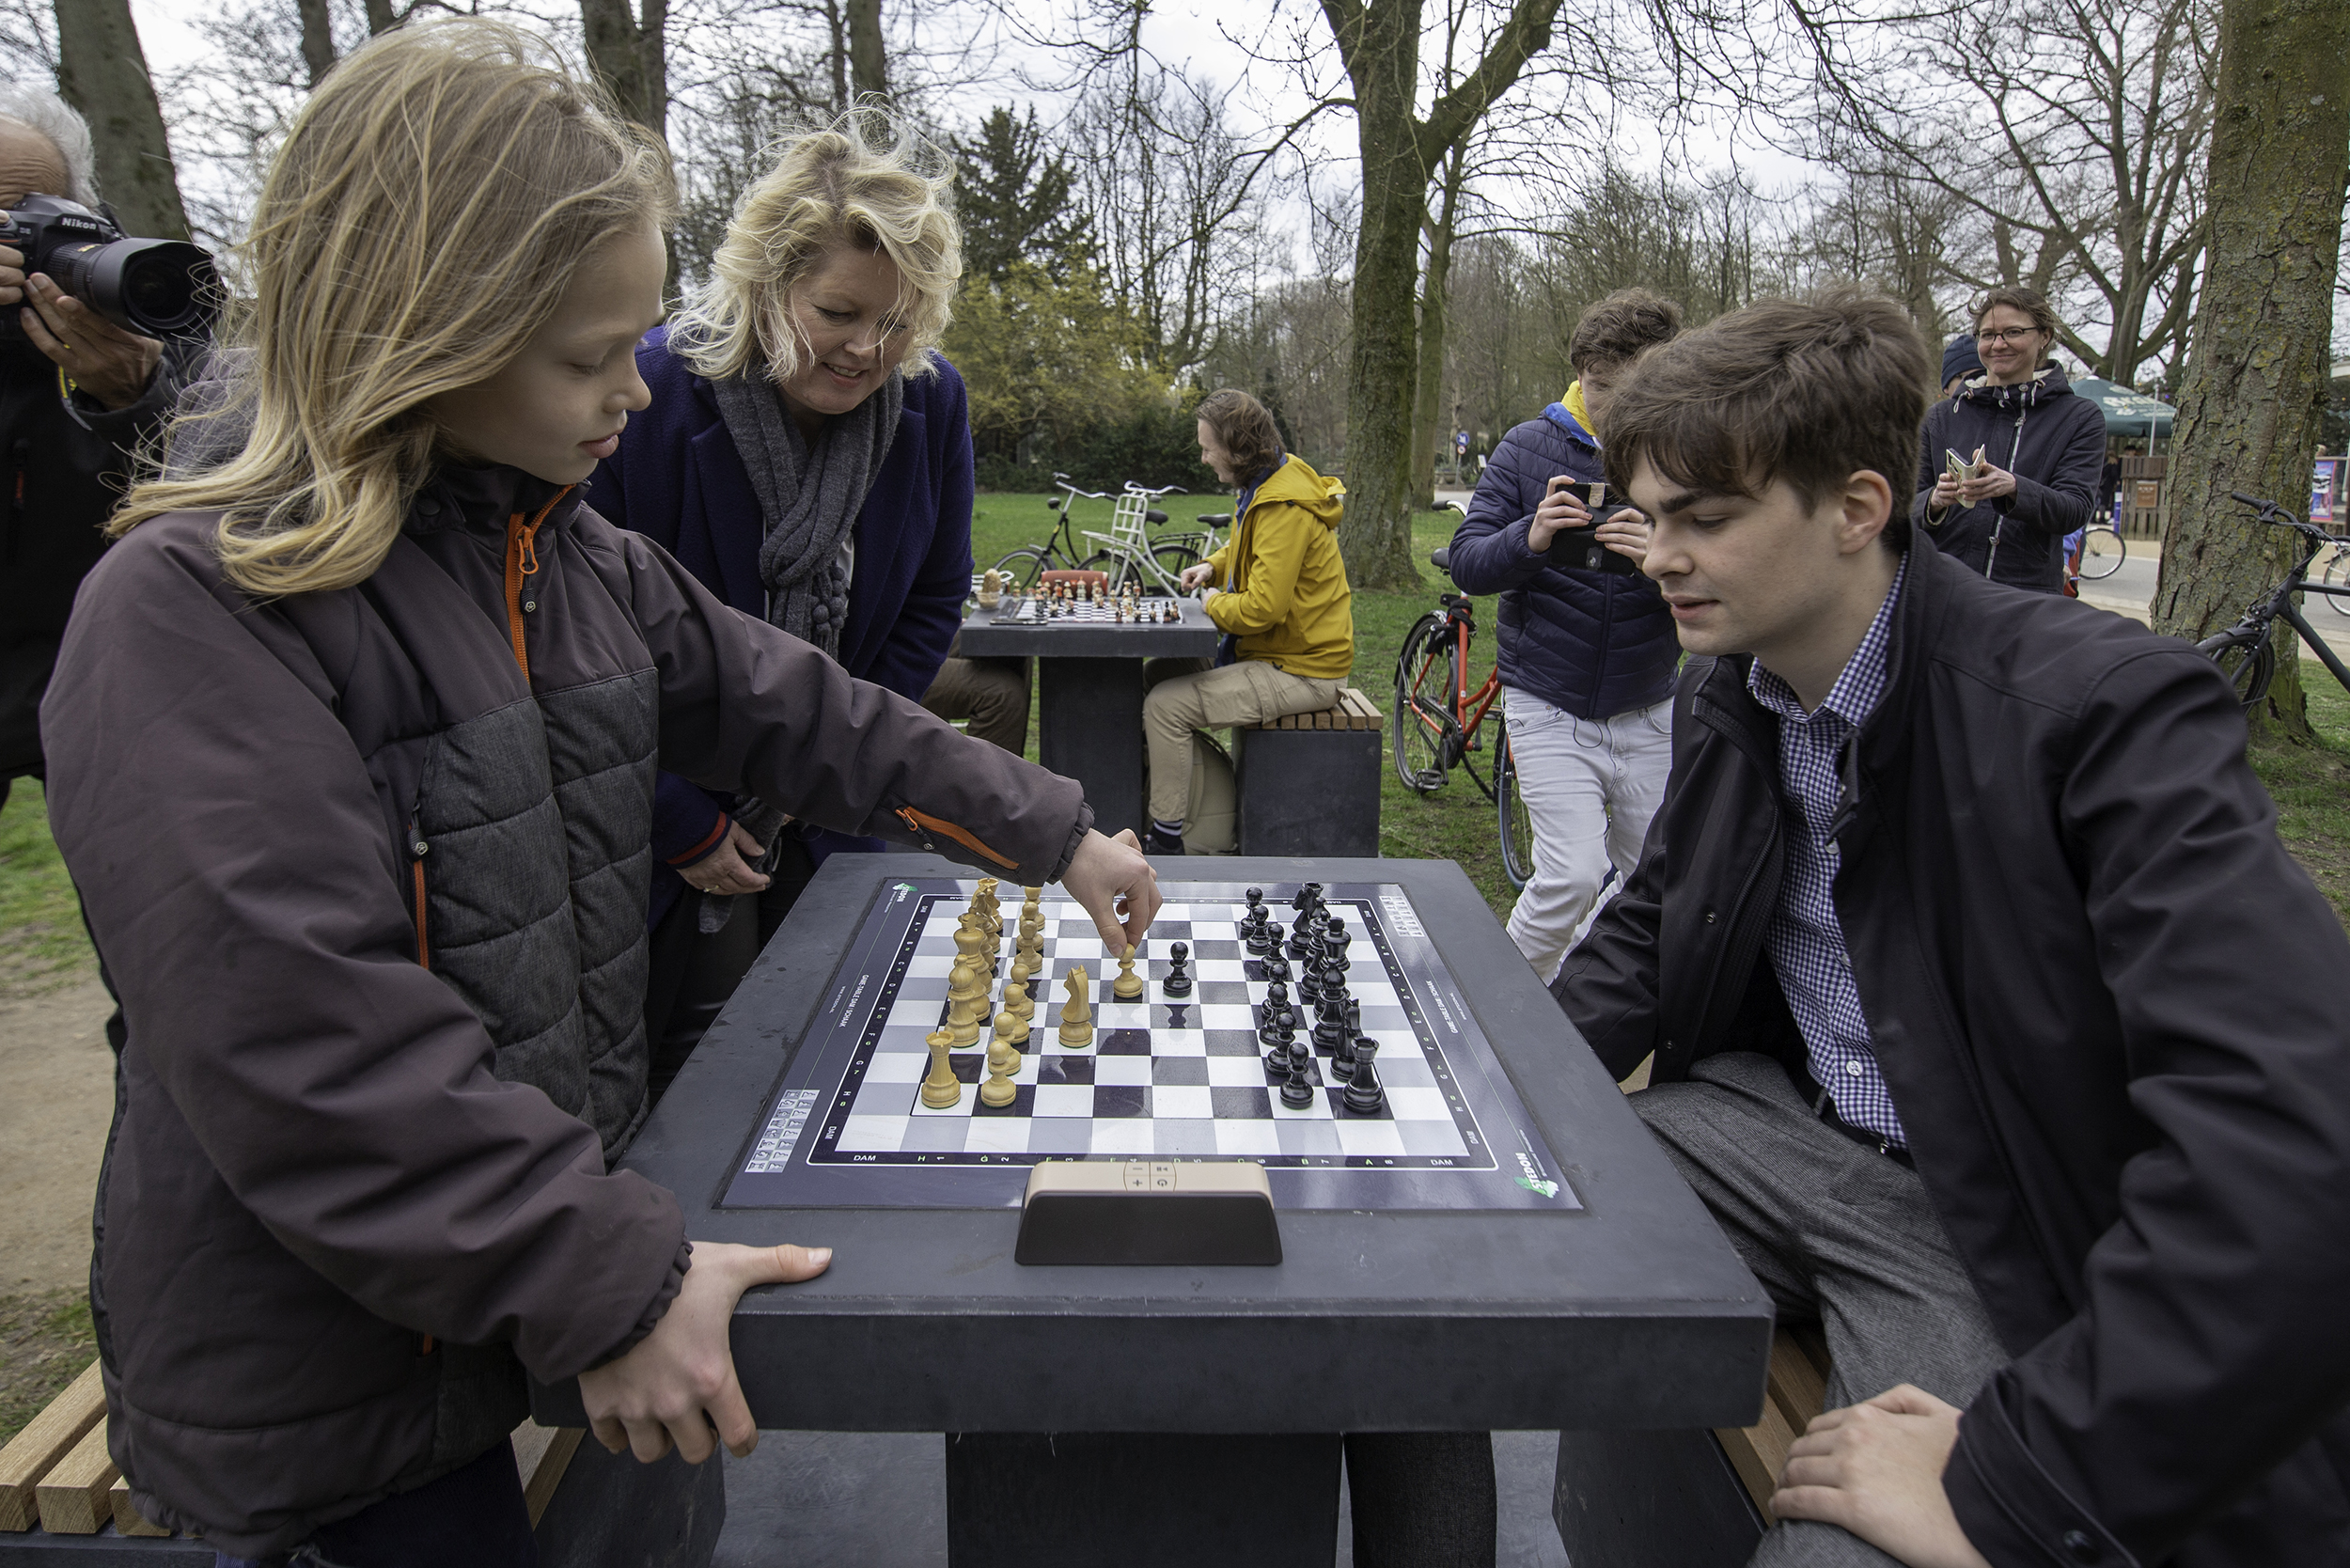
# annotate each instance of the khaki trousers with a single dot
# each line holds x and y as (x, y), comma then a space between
(1248, 692)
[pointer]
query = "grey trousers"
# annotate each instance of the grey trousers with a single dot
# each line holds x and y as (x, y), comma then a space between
(990, 694)
(1837, 1233)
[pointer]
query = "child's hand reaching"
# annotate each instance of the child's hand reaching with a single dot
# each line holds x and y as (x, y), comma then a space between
(1107, 869)
(678, 1384)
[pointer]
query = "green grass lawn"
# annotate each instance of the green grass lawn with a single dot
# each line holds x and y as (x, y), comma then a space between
(42, 944)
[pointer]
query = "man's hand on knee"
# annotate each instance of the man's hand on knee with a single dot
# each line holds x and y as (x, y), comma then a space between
(1875, 1469)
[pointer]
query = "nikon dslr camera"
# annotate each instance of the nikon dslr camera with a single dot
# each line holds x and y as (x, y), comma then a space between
(158, 288)
(1580, 547)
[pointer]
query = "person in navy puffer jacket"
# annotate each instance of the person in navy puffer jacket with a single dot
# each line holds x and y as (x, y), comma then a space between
(1587, 657)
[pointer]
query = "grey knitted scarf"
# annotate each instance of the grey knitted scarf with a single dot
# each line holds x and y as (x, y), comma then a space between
(808, 498)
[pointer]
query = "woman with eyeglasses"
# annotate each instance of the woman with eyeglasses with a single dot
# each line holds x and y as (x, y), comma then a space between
(2029, 452)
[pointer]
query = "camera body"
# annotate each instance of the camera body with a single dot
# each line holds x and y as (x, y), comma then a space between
(1579, 549)
(157, 287)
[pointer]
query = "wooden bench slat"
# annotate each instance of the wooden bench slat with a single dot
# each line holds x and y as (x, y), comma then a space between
(47, 1438)
(1796, 1385)
(128, 1519)
(1352, 711)
(73, 1496)
(1795, 1390)
(541, 1454)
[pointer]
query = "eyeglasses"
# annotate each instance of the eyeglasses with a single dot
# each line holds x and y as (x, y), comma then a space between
(2007, 336)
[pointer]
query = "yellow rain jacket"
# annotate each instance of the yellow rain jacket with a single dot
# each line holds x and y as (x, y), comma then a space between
(1285, 586)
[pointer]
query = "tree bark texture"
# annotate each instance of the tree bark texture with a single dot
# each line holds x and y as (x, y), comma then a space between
(103, 72)
(1379, 43)
(1428, 405)
(317, 40)
(632, 58)
(2255, 383)
(868, 60)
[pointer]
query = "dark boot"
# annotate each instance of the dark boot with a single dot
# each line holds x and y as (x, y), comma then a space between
(1156, 843)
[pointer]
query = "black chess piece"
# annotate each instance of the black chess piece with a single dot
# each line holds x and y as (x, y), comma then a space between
(1334, 940)
(1365, 1094)
(1330, 1033)
(1277, 968)
(1343, 1057)
(1298, 1092)
(1177, 981)
(1309, 980)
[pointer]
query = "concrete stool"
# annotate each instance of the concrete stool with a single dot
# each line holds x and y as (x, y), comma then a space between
(1309, 782)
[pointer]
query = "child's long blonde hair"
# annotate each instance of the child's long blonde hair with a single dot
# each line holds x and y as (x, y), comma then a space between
(422, 221)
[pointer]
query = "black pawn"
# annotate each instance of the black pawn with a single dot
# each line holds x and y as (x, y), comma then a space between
(1177, 981)
(1298, 1091)
(1277, 968)
(1365, 1094)
(1309, 980)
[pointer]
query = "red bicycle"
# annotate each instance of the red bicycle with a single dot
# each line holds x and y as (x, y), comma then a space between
(1438, 721)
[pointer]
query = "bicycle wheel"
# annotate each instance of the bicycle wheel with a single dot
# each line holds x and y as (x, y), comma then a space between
(2248, 662)
(1021, 568)
(2102, 553)
(2337, 574)
(1175, 559)
(1422, 732)
(1517, 827)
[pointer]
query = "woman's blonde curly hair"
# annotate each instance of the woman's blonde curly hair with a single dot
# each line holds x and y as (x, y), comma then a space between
(430, 207)
(868, 180)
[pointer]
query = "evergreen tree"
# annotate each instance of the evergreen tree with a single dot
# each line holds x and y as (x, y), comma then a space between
(1014, 202)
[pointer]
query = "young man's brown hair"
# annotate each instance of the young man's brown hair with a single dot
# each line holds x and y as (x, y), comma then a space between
(1245, 430)
(1806, 391)
(1620, 328)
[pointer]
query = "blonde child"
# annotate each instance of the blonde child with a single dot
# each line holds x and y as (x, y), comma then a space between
(353, 740)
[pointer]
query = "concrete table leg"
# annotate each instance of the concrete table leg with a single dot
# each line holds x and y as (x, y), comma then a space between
(1090, 729)
(1140, 1500)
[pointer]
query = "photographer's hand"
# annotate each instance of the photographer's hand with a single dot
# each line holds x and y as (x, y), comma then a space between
(1627, 534)
(11, 276)
(1560, 508)
(111, 365)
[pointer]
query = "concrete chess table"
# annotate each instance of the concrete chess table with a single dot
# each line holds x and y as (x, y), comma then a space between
(1194, 1407)
(1090, 693)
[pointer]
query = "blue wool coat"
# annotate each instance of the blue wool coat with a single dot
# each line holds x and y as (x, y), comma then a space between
(1592, 642)
(678, 479)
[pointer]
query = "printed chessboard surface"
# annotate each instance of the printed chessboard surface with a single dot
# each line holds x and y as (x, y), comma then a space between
(1181, 1077)
(1085, 612)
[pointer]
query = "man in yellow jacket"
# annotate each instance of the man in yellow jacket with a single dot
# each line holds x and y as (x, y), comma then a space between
(1278, 589)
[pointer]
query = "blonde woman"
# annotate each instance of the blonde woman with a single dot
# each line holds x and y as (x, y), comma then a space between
(807, 456)
(352, 739)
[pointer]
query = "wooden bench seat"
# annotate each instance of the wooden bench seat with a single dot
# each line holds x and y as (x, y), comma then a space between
(1794, 1391)
(56, 1478)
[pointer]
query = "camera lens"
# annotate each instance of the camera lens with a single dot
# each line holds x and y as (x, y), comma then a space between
(160, 287)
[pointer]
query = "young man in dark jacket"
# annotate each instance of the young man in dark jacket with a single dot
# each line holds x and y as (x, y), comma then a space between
(1989, 1017)
(1587, 655)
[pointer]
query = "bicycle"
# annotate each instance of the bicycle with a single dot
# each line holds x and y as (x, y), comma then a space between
(1437, 722)
(2245, 650)
(1061, 550)
(1131, 555)
(2101, 553)
(2336, 574)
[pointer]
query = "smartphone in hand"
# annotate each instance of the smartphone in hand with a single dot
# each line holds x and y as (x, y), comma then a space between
(1580, 548)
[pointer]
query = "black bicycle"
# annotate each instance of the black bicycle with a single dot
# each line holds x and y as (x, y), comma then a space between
(2247, 650)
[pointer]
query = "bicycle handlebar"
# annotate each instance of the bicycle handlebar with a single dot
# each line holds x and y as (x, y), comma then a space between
(1133, 489)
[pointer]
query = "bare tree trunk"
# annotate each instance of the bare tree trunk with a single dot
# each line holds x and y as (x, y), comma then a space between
(838, 56)
(317, 40)
(382, 18)
(1379, 42)
(632, 58)
(2248, 415)
(103, 72)
(1428, 405)
(869, 63)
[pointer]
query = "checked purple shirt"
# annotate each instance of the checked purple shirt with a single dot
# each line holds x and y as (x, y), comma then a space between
(1807, 942)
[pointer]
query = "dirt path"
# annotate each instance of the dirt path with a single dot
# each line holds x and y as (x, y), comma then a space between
(53, 1123)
